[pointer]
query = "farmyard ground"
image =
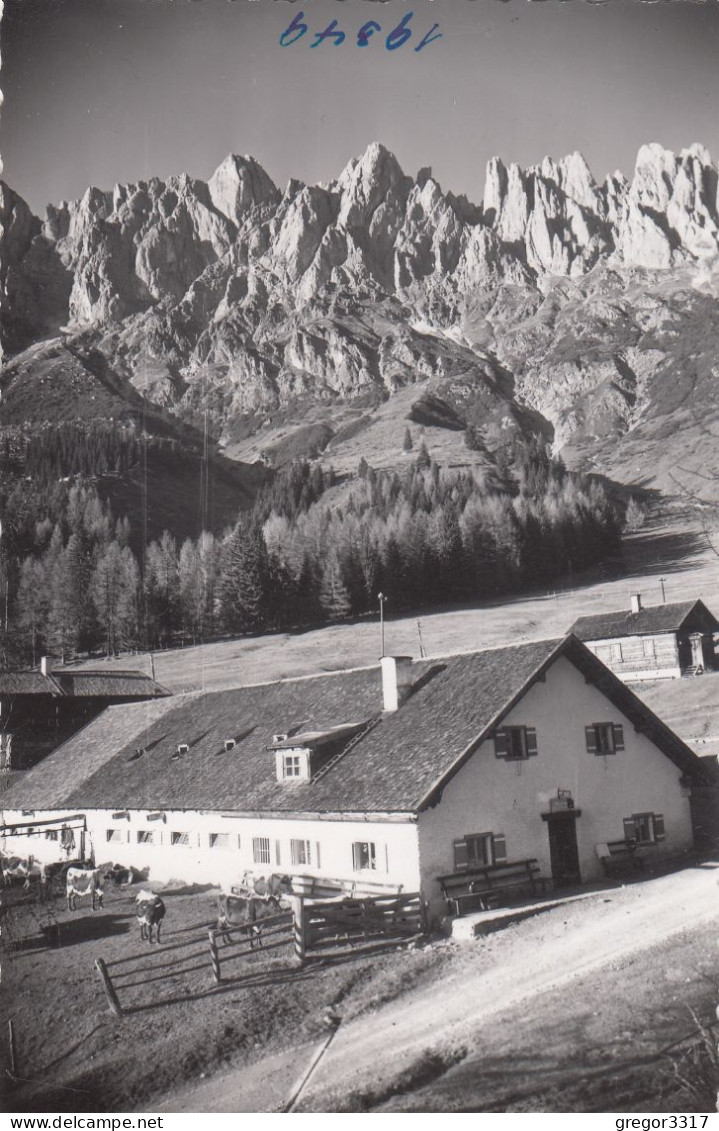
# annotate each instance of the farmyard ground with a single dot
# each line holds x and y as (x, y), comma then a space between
(586, 1007)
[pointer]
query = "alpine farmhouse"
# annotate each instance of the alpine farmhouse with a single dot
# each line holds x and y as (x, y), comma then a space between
(657, 642)
(374, 779)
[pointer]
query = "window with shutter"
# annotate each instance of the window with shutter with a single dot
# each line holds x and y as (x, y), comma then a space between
(499, 848)
(261, 849)
(364, 856)
(515, 743)
(461, 856)
(618, 736)
(590, 734)
(500, 744)
(659, 833)
(630, 831)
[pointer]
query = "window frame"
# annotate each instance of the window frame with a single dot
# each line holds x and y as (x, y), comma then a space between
(495, 851)
(218, 840)
(305, 851)
(654, 824)
(260, 855)
(358, 855)
(291, 766)
(176, 839)
(145, 836)
(114, 836)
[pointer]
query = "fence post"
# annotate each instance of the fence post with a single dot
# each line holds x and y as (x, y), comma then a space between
(108, 987)
(214, 954)
(13, 1052)
(300, 928)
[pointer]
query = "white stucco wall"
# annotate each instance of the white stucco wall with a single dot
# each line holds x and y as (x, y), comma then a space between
(396, 851)
(492, 795)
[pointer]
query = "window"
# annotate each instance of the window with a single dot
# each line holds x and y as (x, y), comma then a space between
(364, 856)
(229, 744)
(515, 743)
(261, 849)
(650, 648)
(604, 738)
(52, 834)
(645, 828)
(146, 836)
(477, 850)
(114, 835)
(219, 840)
(180, 838)
(300, 852)
(616, 653)
(291, 766)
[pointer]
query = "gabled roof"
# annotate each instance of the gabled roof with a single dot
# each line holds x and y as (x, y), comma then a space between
(656, 618)
(124, 759)
(82, 684)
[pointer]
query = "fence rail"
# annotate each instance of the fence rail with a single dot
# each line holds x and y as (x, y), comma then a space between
(327, 925)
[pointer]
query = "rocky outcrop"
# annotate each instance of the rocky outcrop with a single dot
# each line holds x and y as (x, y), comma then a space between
(237, 298)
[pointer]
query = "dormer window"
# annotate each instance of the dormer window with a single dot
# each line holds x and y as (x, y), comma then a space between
(291, 766)
(229, 745)
(182, 748)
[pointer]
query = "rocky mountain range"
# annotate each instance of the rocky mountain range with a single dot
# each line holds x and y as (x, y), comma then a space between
(293, 320)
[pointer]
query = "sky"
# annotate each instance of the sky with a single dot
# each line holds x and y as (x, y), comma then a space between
(105, 91)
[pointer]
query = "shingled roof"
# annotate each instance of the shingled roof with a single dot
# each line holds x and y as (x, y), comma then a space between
(655, 619)
(398, 763)
(82, 684)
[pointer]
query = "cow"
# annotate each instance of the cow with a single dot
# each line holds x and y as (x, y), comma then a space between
(245, 912)
(28, 870)
(270, 889)
(150, 913)
(122, 876)
(84, 881)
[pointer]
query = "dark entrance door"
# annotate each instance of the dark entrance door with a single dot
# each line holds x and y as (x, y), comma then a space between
(563, 851)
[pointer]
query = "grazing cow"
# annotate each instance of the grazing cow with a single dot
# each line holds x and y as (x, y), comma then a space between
(243, 912)
(84, 881)
(150, 913)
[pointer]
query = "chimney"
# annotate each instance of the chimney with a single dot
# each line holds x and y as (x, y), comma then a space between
(396, 680)
(636, 602)
(46, 665)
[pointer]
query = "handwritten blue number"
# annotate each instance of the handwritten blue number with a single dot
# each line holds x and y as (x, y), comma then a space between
(366, 32)
(429, 38)
(329, 33)
(401, 33)
(295, 26)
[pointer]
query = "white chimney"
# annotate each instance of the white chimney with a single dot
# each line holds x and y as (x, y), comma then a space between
(636, 602)
(396, 680)
(46, 665)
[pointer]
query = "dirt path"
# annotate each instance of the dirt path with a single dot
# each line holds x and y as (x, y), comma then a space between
(491, 976)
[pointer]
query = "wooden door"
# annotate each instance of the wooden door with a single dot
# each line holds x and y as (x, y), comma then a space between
(563, 851)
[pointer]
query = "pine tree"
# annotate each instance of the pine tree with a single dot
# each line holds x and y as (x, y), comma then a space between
(407, 444)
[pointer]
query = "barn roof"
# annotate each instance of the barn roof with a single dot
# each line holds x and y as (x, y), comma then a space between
(399, 761)
(654, 619)
(82, 684)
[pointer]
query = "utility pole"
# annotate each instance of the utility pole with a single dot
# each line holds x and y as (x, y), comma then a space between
(381, 598)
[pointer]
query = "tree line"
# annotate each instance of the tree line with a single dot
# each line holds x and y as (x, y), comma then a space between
(310, 551)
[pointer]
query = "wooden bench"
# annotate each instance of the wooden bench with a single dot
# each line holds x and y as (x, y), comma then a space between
(618, 858)
(478, 889)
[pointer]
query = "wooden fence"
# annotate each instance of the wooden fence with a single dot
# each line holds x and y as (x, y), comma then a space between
(270, 933)
(323, 926)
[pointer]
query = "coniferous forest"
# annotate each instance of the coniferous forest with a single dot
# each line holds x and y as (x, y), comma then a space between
(75, 578)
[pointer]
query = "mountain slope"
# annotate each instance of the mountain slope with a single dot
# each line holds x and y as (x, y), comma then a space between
(585, 311)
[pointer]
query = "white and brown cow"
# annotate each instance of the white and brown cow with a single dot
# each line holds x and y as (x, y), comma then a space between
(84, 881)
(150, 913)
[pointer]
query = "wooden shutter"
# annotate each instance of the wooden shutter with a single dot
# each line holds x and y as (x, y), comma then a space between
(659, 833)
(461, 856)
(530, 735)
(618, 736)
(500, 744)
(499, 846)
(591, 738)
(277, 852)
(630, 829)
(317, 854)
